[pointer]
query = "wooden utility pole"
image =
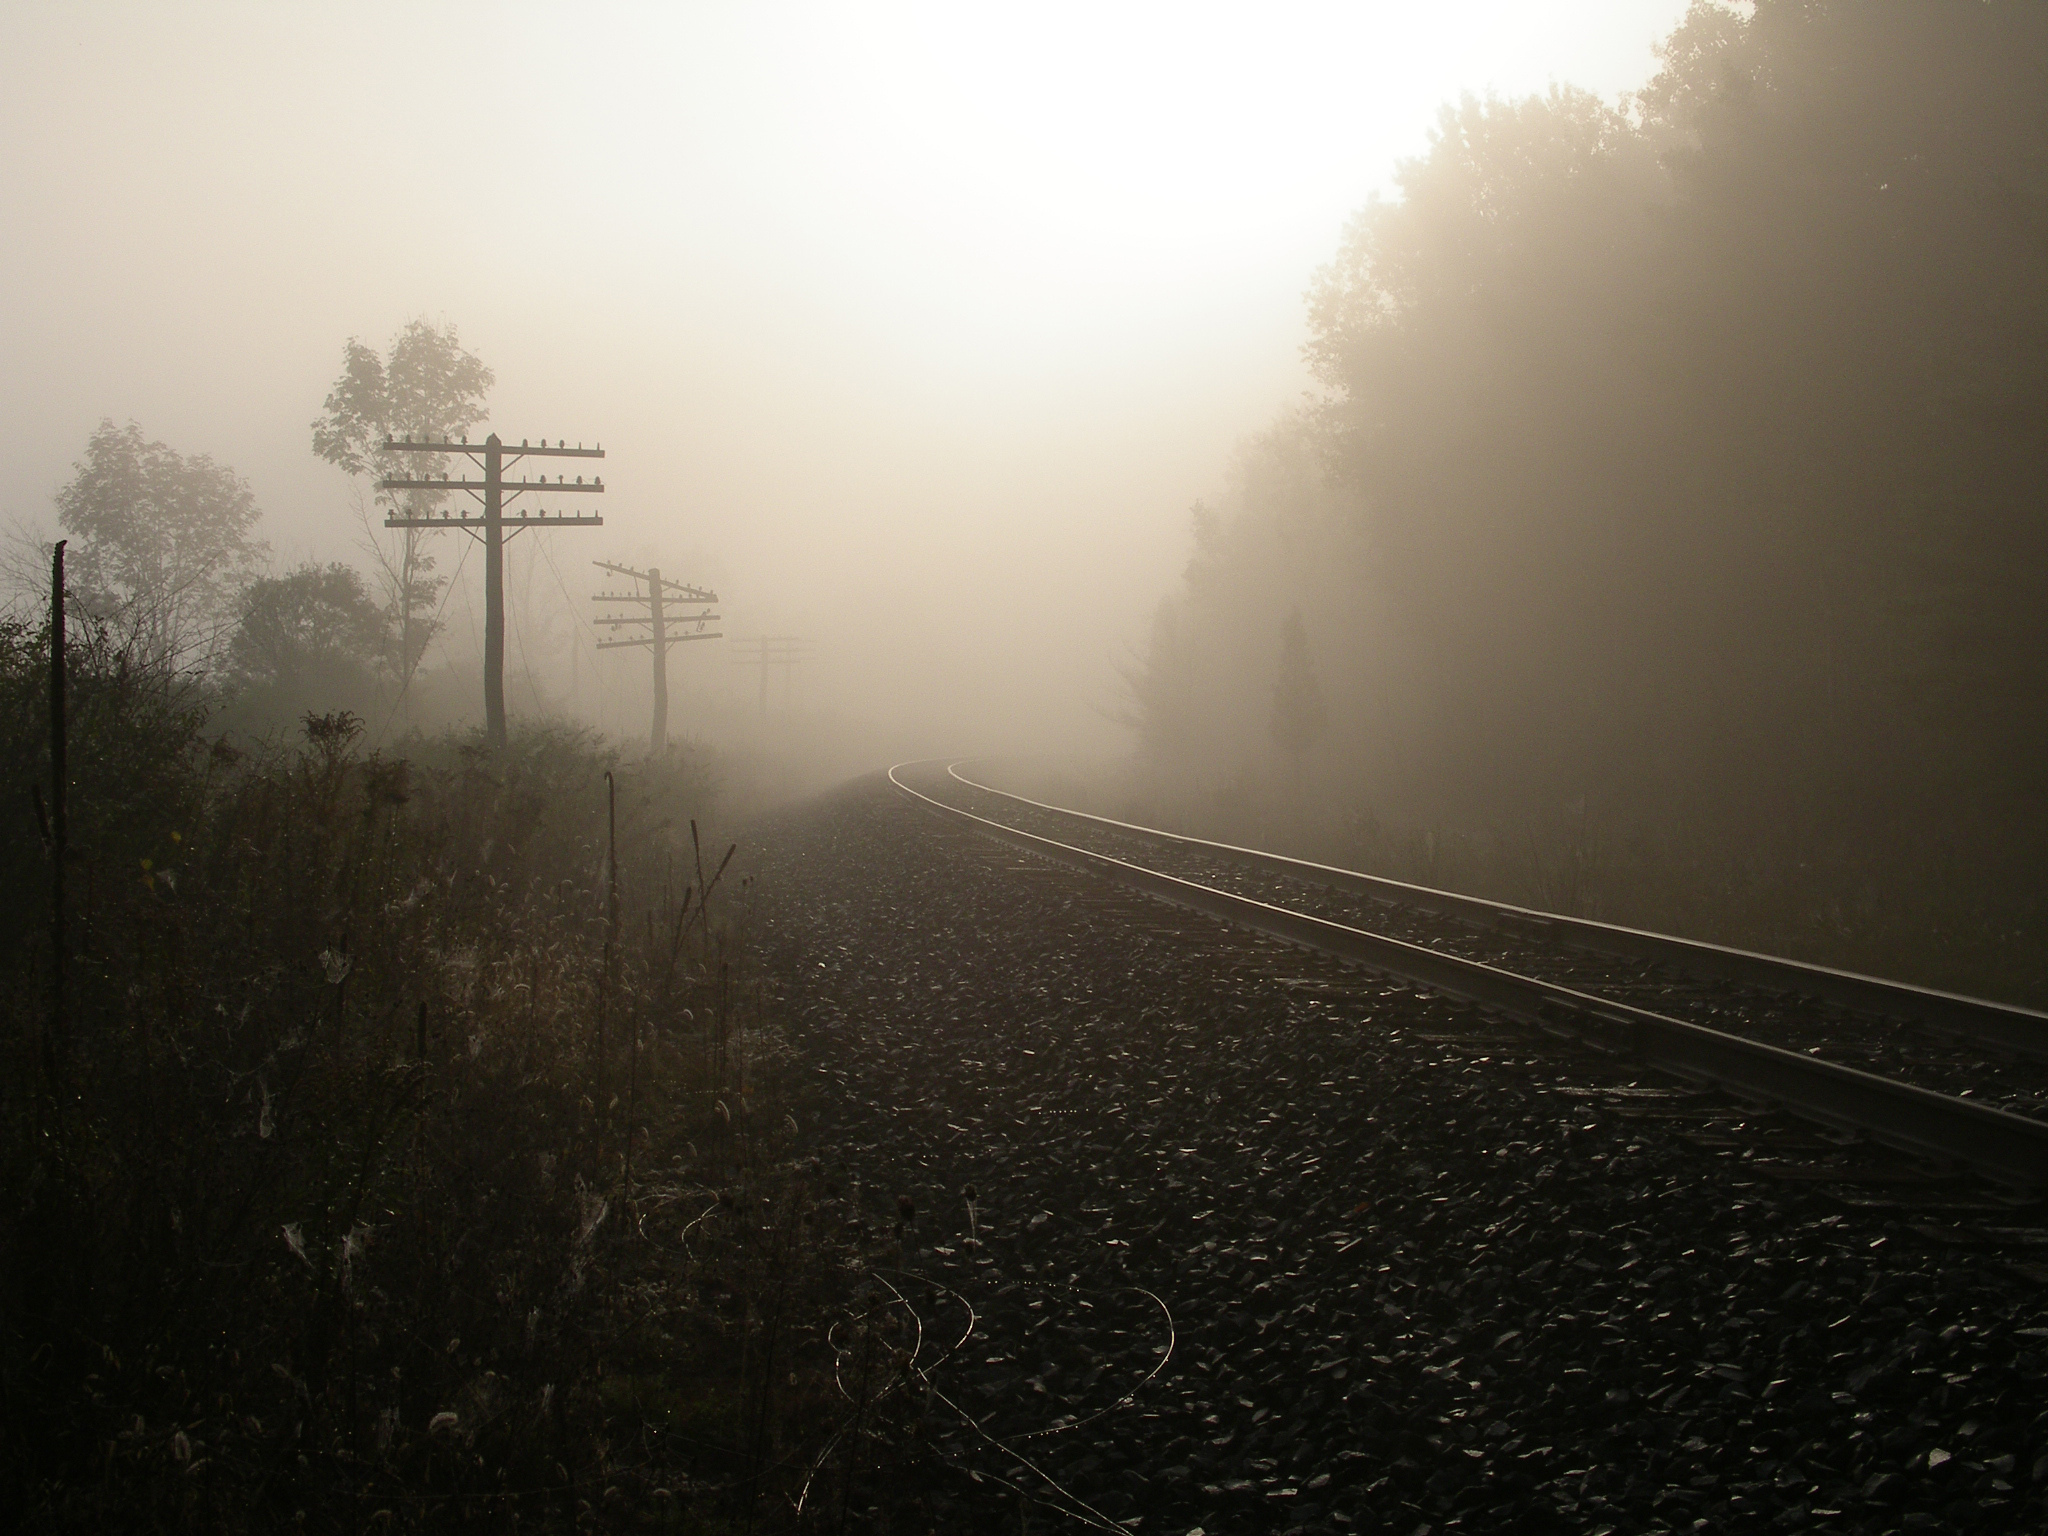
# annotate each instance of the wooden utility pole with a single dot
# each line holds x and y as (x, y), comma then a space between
(657, 637)
(56, 1039)
(492, 492)
(783, 651)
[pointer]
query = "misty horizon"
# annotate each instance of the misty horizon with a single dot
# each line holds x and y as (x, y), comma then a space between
(913, 334)
(866, 770)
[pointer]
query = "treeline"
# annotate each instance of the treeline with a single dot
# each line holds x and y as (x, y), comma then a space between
(1673, 508)
(165, 562)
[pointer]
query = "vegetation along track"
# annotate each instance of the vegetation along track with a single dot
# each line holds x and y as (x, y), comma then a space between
(1953, 1077)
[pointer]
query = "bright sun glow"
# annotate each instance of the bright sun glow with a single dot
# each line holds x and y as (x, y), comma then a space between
(854, 288)
(1024, 167)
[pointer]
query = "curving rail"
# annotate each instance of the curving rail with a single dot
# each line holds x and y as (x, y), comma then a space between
(2023, 1030)
(2010, 1148)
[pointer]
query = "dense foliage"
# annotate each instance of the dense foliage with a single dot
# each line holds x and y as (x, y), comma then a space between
(313, 633)
(1677, 475)
(160, 543)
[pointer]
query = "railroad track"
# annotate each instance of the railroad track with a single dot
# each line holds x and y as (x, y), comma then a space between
(1954, 1078)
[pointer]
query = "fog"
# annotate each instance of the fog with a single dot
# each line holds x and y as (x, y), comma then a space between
(911, 330)
(1586, 457)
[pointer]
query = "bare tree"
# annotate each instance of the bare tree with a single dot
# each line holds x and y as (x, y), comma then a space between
(426, 388)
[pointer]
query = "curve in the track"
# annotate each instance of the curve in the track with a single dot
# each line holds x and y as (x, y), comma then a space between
(2010, 1148)
(2006, 1025)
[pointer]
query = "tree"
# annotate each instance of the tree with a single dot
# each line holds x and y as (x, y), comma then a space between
(1298, 715)
(1694, 450)
(314, 636)
(160, 542)
(426, 388)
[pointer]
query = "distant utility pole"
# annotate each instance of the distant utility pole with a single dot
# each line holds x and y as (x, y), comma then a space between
(783, 651)
(493, 491)
(658, 637)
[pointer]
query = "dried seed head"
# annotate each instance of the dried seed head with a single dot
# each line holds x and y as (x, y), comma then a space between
(969, 1195)
(906, 1208)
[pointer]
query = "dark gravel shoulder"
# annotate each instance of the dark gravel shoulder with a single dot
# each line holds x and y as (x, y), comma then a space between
(1258, 1244)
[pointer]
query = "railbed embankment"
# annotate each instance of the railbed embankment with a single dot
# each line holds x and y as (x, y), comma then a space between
(1410, 1267)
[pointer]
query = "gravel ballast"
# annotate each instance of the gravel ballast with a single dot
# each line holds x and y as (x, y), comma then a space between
(1258, 1244)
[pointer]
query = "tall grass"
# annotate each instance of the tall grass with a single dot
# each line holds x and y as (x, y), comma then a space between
(393, 1173)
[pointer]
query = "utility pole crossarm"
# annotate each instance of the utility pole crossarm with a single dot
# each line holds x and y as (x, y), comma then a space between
(664, 629)
(784, 651)
(648, 640)
(688, 593)
(409, 445)
(511, 487)
(515, 521)
(492, 491)
(423, 482)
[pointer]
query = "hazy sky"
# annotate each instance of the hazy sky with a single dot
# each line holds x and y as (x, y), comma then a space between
(914, 328)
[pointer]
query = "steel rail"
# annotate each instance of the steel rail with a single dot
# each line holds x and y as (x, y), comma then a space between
(2009, 1148)
(2022, 1030)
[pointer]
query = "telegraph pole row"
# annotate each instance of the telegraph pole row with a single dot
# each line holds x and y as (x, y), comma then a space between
(766, 651)
(657, 637)
(493, 491)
